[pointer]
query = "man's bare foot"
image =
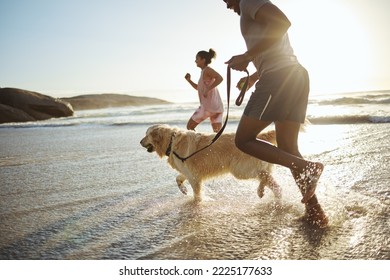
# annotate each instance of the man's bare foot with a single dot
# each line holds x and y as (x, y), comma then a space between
(316, 216)
(311, 177)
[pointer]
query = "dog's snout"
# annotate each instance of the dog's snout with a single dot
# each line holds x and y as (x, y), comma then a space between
(142, 142)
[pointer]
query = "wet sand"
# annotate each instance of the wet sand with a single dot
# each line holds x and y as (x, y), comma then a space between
(92, 192)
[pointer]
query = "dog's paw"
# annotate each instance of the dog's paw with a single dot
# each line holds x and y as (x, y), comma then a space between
(260, 191)
(180, 179)
(277, 192)
(183, 189)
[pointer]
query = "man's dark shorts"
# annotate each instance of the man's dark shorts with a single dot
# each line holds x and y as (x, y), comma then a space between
(281, 95)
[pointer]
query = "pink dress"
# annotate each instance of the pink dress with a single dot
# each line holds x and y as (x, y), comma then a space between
(211, 100)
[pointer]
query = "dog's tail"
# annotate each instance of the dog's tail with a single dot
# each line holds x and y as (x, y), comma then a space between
(269, 136)
(305, 125)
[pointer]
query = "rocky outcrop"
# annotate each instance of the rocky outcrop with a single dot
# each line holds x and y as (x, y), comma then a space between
(17, 105)
(99, 101)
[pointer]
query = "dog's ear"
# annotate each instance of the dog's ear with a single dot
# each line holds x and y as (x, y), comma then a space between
(155, 135)
(159, 141)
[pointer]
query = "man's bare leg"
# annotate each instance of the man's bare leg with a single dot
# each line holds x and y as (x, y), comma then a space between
(287, 135)
(313, 210)
(310, 179)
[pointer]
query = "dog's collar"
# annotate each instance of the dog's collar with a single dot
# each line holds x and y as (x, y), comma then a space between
(169, 149)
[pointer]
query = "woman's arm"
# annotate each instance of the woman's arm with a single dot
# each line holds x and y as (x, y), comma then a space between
(188, 78)
(211, 74)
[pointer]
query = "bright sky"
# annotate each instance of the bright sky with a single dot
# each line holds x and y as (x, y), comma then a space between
(69, 47)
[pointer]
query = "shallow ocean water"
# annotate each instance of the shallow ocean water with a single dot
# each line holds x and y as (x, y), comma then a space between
(92, 192)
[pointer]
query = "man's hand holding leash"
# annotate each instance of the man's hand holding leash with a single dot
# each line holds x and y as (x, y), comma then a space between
(239, 62)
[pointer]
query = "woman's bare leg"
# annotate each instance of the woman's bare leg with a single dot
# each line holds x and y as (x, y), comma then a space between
(216, 127)
(191, 125)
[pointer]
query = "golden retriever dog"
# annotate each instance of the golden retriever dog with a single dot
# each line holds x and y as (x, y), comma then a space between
(220, 158)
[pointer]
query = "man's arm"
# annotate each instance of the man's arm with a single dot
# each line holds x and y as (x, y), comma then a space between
(252, 80)
(276, 25)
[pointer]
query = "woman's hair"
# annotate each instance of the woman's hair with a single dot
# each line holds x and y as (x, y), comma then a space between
(207, 55)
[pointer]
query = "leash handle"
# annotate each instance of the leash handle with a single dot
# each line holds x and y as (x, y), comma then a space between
(241, 96)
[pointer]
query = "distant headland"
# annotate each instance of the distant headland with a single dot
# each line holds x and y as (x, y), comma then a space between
(19, 105)
(106, 100)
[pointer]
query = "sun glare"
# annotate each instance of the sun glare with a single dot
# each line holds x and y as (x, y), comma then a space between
(318, 140)
(334, 46)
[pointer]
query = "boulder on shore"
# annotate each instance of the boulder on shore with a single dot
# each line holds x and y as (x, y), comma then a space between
(18, 105)
(106, 100)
